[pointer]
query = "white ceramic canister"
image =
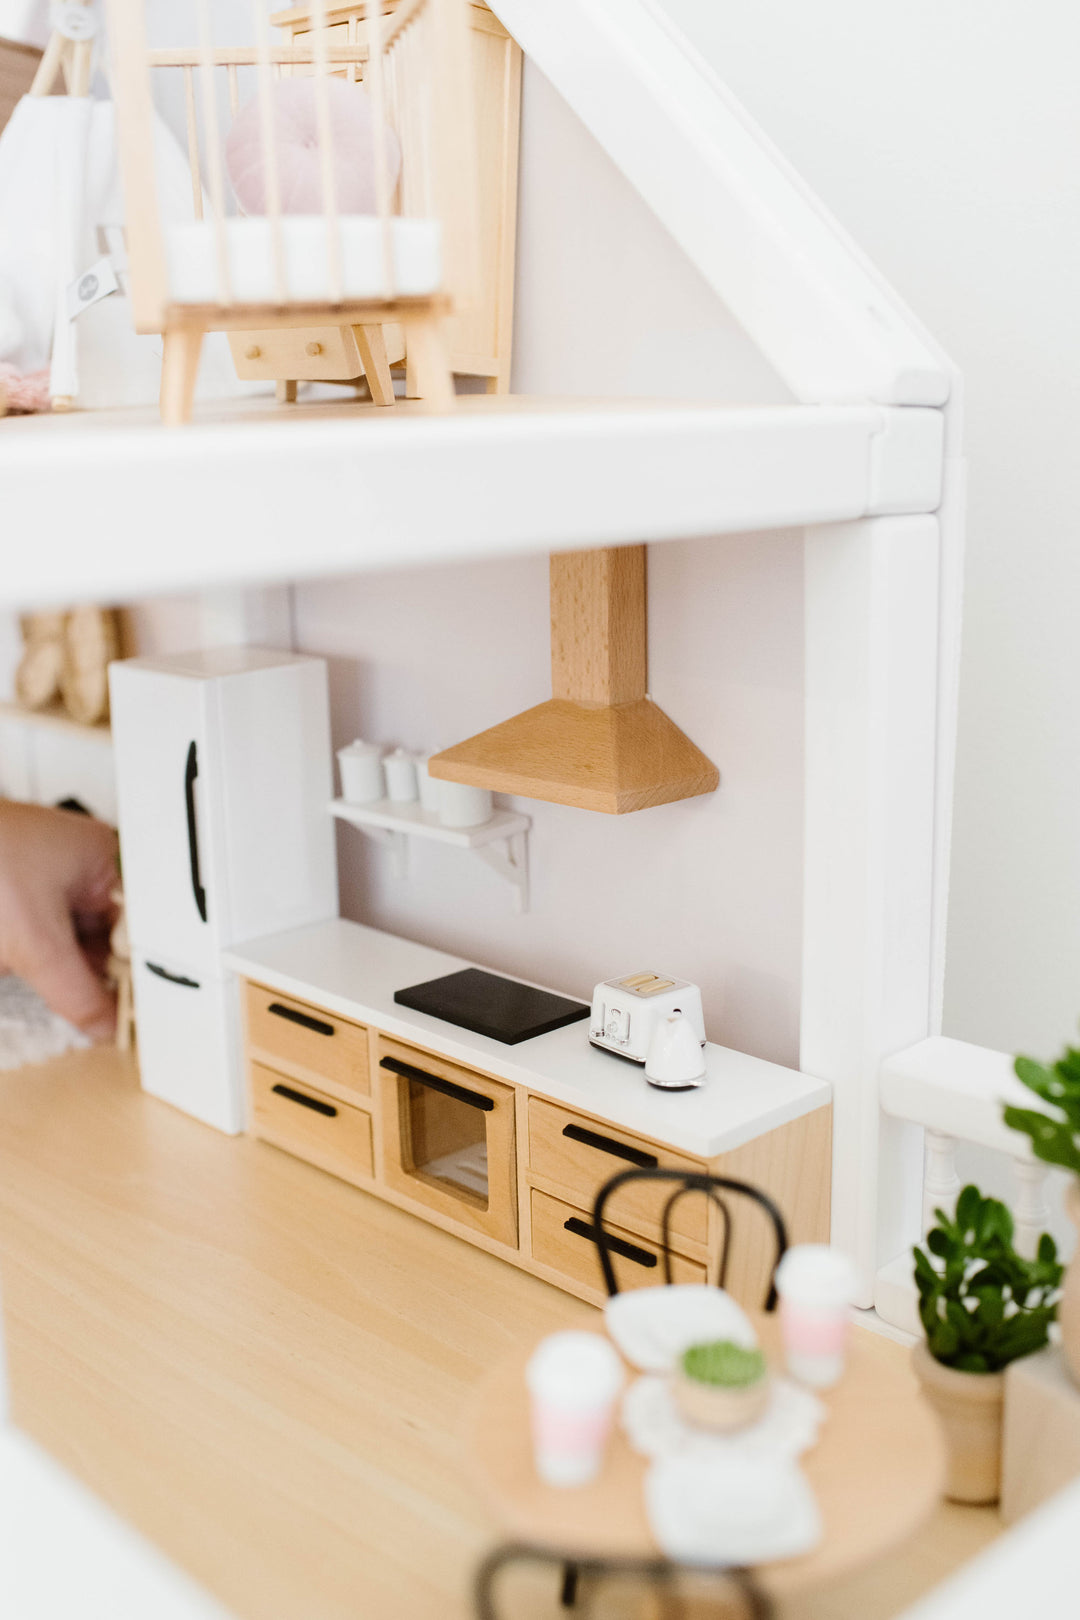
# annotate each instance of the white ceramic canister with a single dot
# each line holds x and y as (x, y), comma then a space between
(573, 1381)
(816, 1285)
(360, 765)
(429, 786)
(463, 806)
(400, 768)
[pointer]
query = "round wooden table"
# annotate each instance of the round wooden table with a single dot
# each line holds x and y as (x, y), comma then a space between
(877, 1471)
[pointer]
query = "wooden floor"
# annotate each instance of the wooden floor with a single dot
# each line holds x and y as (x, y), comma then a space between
(264, 1370)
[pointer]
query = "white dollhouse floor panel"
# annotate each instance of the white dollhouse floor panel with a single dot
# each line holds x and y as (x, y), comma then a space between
(254, 492)
(354, 257)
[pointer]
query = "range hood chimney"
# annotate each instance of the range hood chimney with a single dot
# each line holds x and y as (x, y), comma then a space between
(599, 743)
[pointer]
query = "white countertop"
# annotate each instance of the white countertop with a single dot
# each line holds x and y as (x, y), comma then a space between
(353, 971)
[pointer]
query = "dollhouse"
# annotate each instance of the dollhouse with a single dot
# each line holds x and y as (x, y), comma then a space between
(867, 458)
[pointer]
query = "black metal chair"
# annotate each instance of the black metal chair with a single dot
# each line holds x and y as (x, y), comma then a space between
(686, 1181)
(658, 1572)
(660, 1576)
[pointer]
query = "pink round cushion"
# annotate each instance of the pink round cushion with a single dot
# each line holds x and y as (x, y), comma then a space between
(295, 123)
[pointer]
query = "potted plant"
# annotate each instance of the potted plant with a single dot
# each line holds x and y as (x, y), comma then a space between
(982, 1305)
(721, 1385)
(1055, 1138)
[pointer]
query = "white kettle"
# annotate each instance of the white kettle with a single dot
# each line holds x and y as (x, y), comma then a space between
(675, 1060)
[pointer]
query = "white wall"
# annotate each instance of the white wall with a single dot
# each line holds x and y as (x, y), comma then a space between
(945, 137)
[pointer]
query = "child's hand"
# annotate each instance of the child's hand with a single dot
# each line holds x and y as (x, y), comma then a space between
(56, 871)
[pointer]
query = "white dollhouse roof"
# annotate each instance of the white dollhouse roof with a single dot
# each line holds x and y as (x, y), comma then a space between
(240, 496)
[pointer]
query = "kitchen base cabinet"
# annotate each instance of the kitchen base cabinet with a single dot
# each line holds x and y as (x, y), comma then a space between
(482, 1140)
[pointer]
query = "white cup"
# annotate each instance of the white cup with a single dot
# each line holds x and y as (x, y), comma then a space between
(463, 806)
(573, 1380)
(361, 770)
(400, 768)
(816, 1285)
(430, 787)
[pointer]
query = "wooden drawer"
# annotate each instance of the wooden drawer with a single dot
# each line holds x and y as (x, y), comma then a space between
(311, 1124)
(579, 1155)
(561, 1239)
(307, 1042)
(305, 353)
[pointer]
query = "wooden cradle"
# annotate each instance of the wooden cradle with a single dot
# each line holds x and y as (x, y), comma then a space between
(408, 266)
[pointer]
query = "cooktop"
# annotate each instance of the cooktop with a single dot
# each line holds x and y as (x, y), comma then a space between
(503, 1009)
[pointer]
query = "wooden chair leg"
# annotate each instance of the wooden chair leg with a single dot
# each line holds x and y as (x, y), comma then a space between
(179, 370)
(428, 361)
(285, 391)
(372, 346)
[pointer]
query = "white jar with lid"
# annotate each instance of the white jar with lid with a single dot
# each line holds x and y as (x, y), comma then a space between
(360, 765)
(400, 768)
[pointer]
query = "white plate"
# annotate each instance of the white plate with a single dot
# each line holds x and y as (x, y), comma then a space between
(656, 1428)
(653, 1326)
(732, 1510)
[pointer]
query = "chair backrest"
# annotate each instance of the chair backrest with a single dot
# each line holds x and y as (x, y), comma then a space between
(683, 1182)
(731, 1592)
(413, 59)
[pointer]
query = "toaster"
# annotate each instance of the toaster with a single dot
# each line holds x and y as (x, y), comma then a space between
(626, 1011)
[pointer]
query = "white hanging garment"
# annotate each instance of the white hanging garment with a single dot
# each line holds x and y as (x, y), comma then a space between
(59, 188)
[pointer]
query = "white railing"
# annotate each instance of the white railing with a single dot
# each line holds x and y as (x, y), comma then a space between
(955, 1091)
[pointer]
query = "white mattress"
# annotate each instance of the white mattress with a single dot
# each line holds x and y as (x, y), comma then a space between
(191, 252)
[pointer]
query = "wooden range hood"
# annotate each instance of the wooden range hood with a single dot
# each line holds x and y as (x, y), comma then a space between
(599, 743)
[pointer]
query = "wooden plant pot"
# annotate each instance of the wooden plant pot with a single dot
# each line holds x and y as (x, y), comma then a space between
(969, 1406)
(1069, 1308)
(720, 1407)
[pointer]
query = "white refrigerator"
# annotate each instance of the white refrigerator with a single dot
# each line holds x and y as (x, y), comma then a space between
(224, 778)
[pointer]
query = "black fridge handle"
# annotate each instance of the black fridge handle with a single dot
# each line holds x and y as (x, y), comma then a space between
(191, 771)
(173, 978)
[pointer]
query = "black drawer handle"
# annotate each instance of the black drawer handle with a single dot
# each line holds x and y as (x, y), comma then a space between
(173, 978)
(435, 1082)
(316, 1104)
(629, 1251)
(608, 1144)
(318, 1026)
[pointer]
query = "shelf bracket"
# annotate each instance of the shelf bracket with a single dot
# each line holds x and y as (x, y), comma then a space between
(510, 859)
(396, 842)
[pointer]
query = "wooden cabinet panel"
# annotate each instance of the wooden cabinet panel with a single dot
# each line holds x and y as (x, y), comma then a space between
(561, 1238)
(311, 1124)
(307, 1042)
(579, 1155)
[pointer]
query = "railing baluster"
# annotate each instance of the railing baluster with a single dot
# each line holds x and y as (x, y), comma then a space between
(1031, 1214)
(941, 1184)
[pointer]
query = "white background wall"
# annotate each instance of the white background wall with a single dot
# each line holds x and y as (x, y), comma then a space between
(944, 134)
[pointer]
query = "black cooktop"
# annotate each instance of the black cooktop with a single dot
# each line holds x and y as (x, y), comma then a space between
(488, 1004)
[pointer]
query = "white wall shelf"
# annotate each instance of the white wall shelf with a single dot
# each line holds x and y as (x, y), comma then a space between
(252, 493)
(46, 756)
(501, 843)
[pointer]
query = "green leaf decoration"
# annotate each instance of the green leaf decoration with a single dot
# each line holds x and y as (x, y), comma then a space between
(981, 1304)
(1051, 1140)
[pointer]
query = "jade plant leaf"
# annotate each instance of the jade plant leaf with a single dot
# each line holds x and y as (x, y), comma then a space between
(981, 1304)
